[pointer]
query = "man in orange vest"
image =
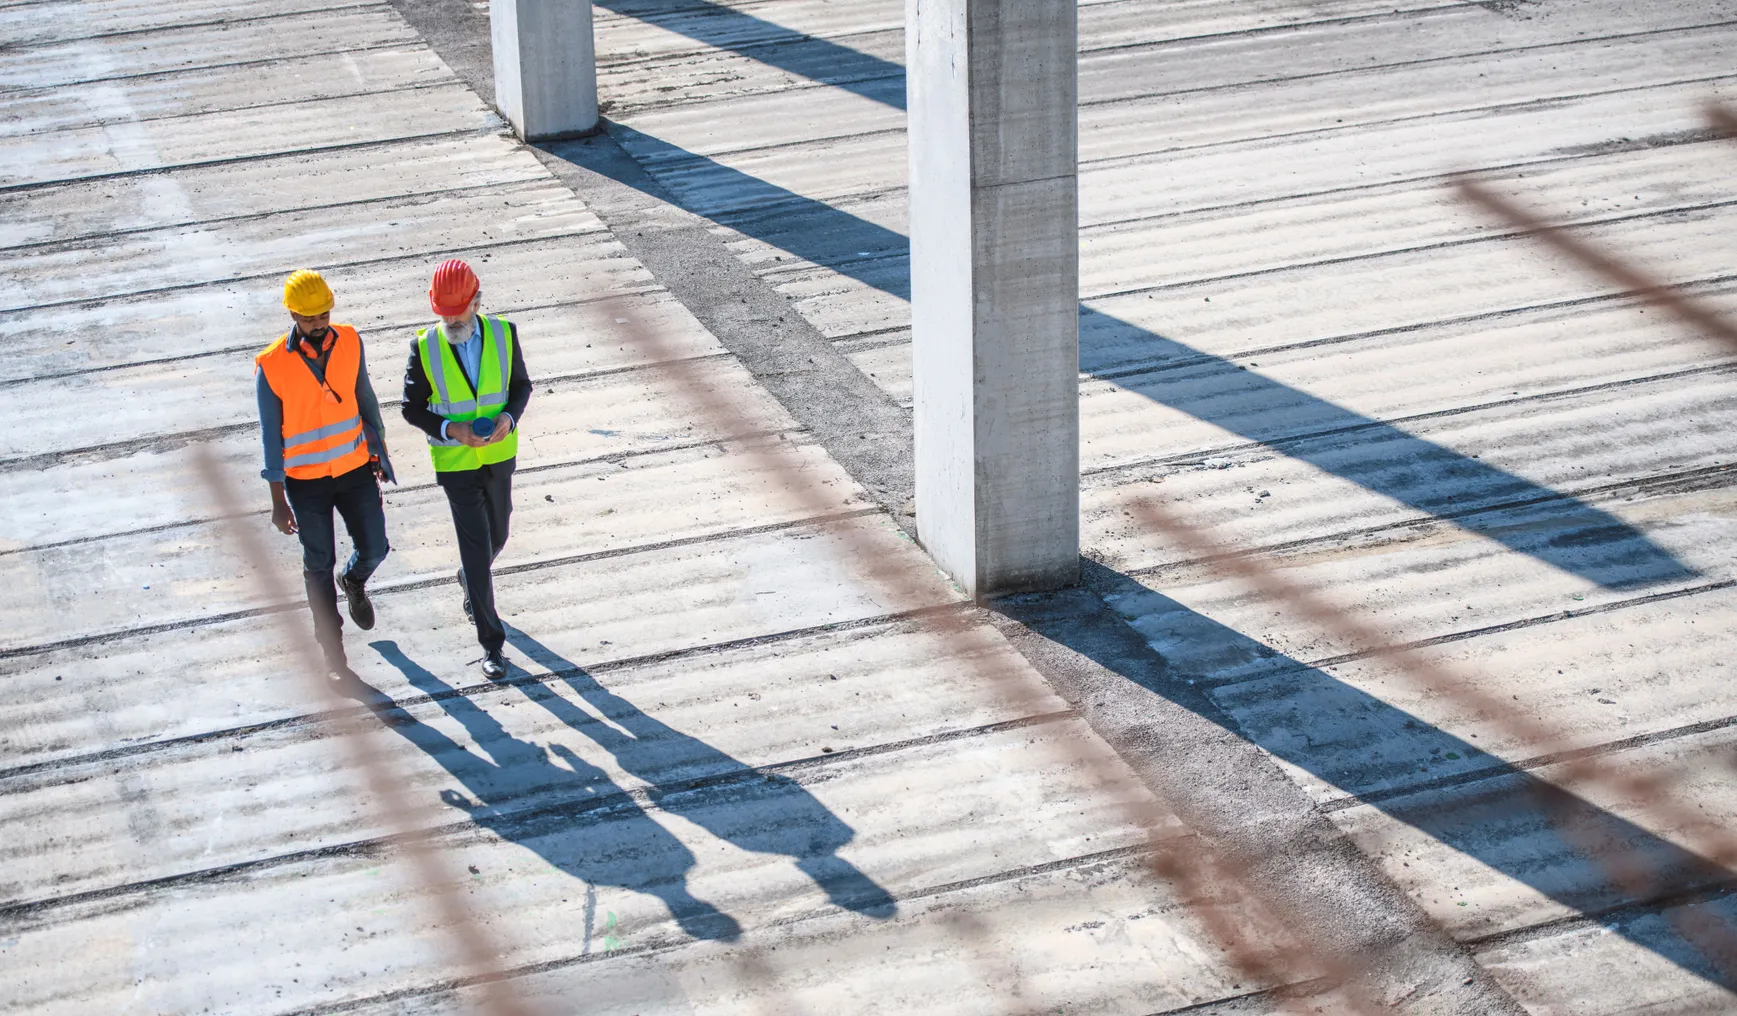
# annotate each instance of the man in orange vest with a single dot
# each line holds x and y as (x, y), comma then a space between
(325, 450)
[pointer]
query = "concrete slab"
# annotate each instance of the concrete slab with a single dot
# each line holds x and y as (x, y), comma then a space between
(64, 20)
(1231, 310)
(1401, 151)
(219, 252)
(1468, 890)
(385, 299)
(1589, 192)
(253, 690)
(176, 48)
(1605, 675)
(349, 177)
(155, 486)
(1406, 38)
(244, 86)
(1536, 968)
(587, 417)
(1047, 939)
(534, 880)
(219, 802)
(1197, 113)
(831, 671)
(1190, 337)
(1214, 406)
(1256, 496)
(705, 75)
(1257, 200)
(1644, 61)
(161, 576)
(606, 613)
(639, 32)
(143, 146)
(684, 582)
(1463, 567)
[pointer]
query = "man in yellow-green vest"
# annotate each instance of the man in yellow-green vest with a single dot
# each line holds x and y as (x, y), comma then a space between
(466, 387)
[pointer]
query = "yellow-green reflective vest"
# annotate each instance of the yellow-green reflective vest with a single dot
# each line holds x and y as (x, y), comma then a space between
(453, 399)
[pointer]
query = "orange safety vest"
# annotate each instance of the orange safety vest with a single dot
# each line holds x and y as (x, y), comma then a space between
(322, 430)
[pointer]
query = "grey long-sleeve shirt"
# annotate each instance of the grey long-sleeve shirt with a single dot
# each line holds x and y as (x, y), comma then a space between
(271, 419)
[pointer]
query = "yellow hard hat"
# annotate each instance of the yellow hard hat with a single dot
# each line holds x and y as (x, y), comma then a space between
(305, 292)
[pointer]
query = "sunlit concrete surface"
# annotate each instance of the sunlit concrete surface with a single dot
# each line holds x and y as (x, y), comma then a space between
(1295, 333)
(728, 776)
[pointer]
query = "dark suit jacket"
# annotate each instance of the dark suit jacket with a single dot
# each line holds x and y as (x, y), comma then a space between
(418, 389)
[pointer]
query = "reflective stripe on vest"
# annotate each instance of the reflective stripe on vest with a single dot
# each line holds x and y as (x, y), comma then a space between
(439, 361)
(326, 455)
(320, 437)
(290, 441)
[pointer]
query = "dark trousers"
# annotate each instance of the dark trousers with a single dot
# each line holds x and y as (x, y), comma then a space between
(356, 496)
(482, 506)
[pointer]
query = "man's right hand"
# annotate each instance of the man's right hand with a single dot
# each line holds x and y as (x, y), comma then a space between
(282, 516)
(284, 519)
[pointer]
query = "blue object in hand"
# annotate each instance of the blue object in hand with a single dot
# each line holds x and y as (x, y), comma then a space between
(482, 426)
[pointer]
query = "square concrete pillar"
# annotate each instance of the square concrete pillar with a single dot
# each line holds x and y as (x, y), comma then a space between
(993, 99)
(545, 67)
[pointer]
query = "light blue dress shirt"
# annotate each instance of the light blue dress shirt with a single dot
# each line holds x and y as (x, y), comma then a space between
(469, 357)
(469, 351)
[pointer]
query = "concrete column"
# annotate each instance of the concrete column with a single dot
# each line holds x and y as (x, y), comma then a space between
(545, 66)
(993, 100)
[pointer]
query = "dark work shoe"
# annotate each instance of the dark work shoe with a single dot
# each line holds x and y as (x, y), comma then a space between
(494, 665)
(339, 674)
(469, 615)
(361, 608)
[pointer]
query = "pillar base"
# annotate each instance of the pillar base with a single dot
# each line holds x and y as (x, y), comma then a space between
(545, 67)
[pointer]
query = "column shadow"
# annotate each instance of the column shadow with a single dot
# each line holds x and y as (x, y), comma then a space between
(1381, 457)
(550, 801)
(1312, 720)
(806, 56)
(757, 811)
(1412, 772)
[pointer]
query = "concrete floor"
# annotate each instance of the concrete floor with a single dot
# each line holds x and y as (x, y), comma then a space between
(732, 775)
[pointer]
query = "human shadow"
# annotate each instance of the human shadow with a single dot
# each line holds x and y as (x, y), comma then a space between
(755, 810)
(1379, 456)
(552, 802)
(1520, 825)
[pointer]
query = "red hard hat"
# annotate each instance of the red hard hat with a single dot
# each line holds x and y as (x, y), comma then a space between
(454, 287)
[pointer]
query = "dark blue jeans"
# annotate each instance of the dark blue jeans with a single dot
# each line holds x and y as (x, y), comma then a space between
(356, 497)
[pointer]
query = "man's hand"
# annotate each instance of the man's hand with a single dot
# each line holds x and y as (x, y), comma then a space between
(461, 432)
(504, 424)
(282, 516)
(380, 463)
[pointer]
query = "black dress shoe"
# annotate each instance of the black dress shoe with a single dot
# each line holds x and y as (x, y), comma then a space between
(340, 674)
(468, 613)
(494, 665)
(361, 608)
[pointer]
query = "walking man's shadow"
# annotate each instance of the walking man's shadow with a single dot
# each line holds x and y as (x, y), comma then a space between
(757, 811)
(552, 802)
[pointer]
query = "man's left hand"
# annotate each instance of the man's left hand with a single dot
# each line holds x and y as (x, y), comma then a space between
(504, 424)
